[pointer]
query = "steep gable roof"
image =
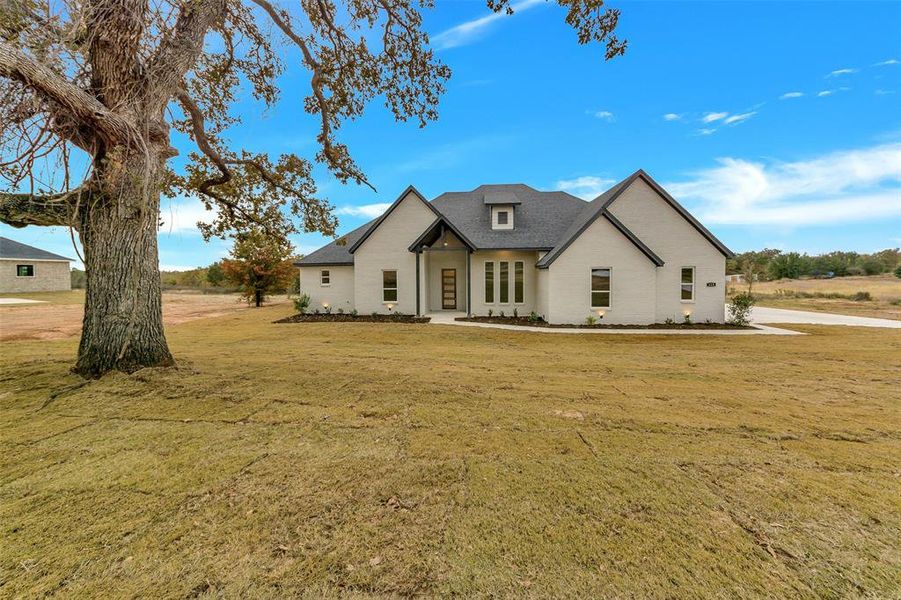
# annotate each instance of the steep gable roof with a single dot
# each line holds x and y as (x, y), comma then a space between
(410, 189)
(337, 252)
(598, 208)
(13, 250)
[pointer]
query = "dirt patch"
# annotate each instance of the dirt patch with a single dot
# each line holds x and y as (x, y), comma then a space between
(58, 321)
(526, 322)
(343, 318)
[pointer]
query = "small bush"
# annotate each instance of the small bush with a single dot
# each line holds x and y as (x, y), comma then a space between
(375, 313)
(502, 314)
(515, 313)
(862, 297)
(354, 312)
(898, 271)
(340, 311)
(591, 320)
(740, 309)
(669, 321)
(302, 303)
(534, 317)
(490, 313)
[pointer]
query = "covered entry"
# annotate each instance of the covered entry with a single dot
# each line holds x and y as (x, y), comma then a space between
(442, 269)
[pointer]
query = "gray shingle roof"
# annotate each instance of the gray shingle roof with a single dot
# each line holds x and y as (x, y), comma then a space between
(539, 220)
(13, 250)
(542, 221)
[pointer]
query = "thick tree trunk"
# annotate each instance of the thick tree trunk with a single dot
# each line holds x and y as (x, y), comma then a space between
(123, 320)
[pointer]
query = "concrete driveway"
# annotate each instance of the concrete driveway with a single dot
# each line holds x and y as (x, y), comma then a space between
(761, 314)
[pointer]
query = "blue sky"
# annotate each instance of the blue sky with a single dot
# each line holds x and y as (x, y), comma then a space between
(777, 124)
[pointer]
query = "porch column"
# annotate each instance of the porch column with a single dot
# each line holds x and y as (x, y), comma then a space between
(418, 312)
(468, 282)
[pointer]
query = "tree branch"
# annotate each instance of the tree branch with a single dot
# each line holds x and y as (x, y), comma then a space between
(74, 102)
(181, 47)
(19, 210)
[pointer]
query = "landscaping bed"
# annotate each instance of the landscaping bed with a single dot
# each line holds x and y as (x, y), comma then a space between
(526, 322)
(348, 318)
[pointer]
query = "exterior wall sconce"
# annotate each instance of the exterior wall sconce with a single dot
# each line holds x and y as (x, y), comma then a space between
(390, 307)
(600, 314)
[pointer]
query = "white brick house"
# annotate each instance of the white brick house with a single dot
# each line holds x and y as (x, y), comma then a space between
(633, 255)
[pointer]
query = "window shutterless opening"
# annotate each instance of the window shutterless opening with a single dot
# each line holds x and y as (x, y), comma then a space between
(489, 283)
(518, 282)
(503, 217)
(600, 287)
(389, 286)
(687, 290)
(505, 282)
(325, 277)
(24, 270)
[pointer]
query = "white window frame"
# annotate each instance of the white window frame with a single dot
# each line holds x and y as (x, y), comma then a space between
(694, 276)
(325, 278)
(34, 271)
(506, 219)
(523, 264)
(511, 216)
(592, 291)
(493, 282)
(395, 288)
(500, 280)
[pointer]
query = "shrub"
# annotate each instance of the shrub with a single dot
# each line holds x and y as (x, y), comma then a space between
(375, 313)
(591, 320)
(302, 303)
(669, 321)
(354, 313)
(515, 313)
(862, 297)
(502, 314)
(534, 317)
(490, 313)
(340, 311)
(740, 308)
(898, 271)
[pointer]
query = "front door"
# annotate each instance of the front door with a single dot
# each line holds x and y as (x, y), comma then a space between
(449, 289)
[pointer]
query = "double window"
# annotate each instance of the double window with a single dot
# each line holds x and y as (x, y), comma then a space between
(24, 270)
(600, 287)
(325, 277)
(389, 286)
(688, 284)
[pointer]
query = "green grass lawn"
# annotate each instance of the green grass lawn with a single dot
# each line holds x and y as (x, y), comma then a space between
(383, 460)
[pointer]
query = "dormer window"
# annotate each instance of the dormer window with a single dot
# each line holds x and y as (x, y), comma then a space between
(502, 217)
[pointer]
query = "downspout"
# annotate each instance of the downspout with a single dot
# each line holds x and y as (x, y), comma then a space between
(418, 312)
(468, 282)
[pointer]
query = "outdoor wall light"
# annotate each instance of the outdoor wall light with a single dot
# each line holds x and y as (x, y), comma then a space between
(325, 305)
(600, 314)
(687, 313)
(390, 307)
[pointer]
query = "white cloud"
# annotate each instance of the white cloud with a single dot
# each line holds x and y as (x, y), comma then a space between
(706, 131)
(736, 119)
(604, 115)
(714, 116)
(852, 185)
(587, 187)
(672, 117)
(825, 93)
(788, 95)
(839, 72)
(366, 210)
(470, 31)
(181, 216)
(884, 92)
(885, 63)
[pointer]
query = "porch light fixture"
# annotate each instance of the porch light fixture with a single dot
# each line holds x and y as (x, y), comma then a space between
(687, 313)
(325, 305)
(600, 314)
(390, 307)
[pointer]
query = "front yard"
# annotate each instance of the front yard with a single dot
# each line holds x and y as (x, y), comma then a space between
(370, 459)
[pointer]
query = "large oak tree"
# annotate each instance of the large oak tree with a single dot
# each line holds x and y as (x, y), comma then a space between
(110, 79)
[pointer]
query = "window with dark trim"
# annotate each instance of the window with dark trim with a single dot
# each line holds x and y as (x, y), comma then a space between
(489, 283)
(688, 284)
(325, 277)
(389, 286)
(24, 270)
(518, 282)
(600, 287)
(504, 273)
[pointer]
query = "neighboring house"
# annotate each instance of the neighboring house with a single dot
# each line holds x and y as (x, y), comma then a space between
(632, 256)
(25, 268)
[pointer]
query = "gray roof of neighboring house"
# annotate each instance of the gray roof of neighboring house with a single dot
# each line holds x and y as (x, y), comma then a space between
(13, 250)
(542, 221)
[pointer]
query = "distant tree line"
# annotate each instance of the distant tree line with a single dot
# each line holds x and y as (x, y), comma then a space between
(774, 264)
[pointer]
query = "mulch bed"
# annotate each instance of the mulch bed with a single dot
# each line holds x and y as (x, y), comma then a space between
(346, 318)
(525, 322)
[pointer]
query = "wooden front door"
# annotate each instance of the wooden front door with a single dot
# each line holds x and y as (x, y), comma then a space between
(449, 289)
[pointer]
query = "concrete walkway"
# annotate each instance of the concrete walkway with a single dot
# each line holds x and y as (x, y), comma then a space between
(9, 301)
(448, 318)
(761, 314)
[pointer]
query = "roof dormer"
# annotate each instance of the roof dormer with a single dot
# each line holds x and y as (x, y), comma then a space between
(503, 207)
